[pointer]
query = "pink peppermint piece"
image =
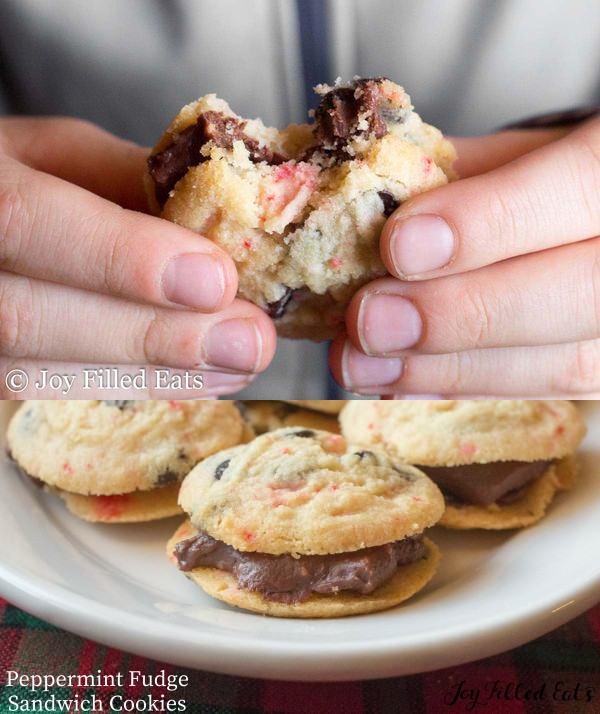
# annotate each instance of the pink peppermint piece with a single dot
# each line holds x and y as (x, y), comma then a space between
(107, 508)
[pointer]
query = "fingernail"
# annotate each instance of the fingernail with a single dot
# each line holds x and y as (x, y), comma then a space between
(234, 344)
(420, 244)
(388, 323)
(195, 280)
(360, 372)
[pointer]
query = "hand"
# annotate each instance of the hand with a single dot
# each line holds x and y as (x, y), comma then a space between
(86, 279)
(497, 278)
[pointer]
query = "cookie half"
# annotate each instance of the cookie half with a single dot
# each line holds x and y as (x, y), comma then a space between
(133, 507)
(406, 582)
(105, 448)
(299, 210)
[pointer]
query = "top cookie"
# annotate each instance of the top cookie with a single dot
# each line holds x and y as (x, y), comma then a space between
(299, 210)
(455, 432)
(307, 492)
(330, 406)
(112, 447)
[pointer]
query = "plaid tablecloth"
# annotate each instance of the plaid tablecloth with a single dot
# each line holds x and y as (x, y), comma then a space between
(561, 672)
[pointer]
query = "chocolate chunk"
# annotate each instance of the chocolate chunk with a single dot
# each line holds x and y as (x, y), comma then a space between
(342, 113)
(278, 308)
(304, 433)
(220, 470)
(168, 166)
(390, 204)
(119, 403)
(167, 477)
(283, 578)
(485, 484)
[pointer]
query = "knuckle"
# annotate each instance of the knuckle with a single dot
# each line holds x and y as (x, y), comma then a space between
(583, 169)
(579, 373)
(17, 317)
(126, 271)
(172, 340)
(475, 319)
(505, 214)
(13, 219)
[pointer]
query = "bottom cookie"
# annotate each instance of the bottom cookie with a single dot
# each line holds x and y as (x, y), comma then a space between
(528, 510)
(134, 507)
(406, 582)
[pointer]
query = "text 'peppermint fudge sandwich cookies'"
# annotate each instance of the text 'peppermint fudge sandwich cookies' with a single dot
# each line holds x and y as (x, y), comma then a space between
(119, 461)
(499, 463)
(299, 210)
(298, 523)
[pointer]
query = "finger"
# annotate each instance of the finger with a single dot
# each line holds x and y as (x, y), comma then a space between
(564, 371)
(27, 379)
(52, 230)
(478, 154)
(544, 298)
(51, 322)
(81, 153)
(546, 198)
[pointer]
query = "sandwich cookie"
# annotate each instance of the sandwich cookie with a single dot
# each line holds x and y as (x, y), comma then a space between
(119, 461)
(298, 523)
(271, 415)
(499, 463)
(329, 406)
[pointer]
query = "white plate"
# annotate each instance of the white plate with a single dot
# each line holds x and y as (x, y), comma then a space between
(114, 584)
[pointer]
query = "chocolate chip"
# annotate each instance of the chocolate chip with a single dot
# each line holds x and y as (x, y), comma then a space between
(277, 309)
(221, 468)
(119, 403)
(390, 204)
(362, 454)
(167, 477)
(304, 434)
(405, 474)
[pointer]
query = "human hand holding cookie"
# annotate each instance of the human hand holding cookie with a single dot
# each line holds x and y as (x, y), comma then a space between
(494, 278)
(87, 278)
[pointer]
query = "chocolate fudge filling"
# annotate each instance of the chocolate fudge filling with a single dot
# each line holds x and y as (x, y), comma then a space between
(171, 164)
(500, 482)
(283, 578)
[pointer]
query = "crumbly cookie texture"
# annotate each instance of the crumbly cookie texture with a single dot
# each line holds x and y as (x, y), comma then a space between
(329, 406)
(134, 507)
(299, 210)
(113, 447)
(307, 492)
(524, 512)
(408, 580)
(456, 432)
(271, 415)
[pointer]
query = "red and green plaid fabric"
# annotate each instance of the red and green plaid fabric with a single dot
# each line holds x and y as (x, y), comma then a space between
(563, 662)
